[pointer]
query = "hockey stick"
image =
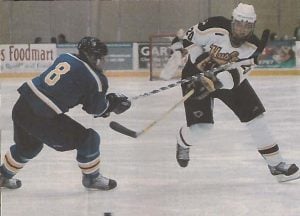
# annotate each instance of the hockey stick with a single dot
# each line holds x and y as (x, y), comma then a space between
(253, 59)
(263, 43)
(191, 78)
(128, 132)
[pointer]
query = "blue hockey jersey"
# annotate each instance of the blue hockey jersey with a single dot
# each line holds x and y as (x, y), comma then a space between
(68, 82)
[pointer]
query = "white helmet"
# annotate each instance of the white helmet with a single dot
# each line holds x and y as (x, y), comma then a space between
(244, 12)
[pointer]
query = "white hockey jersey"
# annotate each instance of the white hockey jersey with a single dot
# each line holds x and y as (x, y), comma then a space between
(213, 36)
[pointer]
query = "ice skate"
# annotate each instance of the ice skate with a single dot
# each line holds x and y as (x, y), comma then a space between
(182, 155)
(9, 183)
(285, 172)
(100, 182)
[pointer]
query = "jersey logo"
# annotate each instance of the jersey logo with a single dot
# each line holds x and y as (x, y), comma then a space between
(198, 114)
(222, 58)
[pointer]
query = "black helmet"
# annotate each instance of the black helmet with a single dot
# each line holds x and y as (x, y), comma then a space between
(92, 46)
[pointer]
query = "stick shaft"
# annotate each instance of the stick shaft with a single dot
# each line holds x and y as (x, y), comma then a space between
(128, 132)
(164, 115)
(179, 82)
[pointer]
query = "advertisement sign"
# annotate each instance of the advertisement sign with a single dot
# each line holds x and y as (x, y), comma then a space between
(278, 54)
(160, 55)
(119, 56)
(24, 58)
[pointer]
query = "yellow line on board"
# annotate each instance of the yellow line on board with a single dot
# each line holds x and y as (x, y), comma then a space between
(256, 72)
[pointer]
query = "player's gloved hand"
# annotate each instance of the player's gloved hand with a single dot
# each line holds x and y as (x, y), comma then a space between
(204, 85)
(204, 62)
(103, 115)
(118, 103)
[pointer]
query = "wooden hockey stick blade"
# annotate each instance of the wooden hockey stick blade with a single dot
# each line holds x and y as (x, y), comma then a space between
(122, 129)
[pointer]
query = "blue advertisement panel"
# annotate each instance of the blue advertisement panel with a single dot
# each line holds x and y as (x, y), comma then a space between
(120, 55)
(278, 54)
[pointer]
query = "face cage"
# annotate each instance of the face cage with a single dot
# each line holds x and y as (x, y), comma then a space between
(241, 31)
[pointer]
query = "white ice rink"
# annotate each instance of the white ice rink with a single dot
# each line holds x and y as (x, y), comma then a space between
(226, 175)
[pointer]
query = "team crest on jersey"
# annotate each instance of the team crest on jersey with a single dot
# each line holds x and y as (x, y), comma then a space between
(222, 58)
(198, 114)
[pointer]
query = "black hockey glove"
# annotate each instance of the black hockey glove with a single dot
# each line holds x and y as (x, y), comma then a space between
(118, 103)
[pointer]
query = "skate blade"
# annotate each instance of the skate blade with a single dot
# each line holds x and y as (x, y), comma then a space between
(284, 178)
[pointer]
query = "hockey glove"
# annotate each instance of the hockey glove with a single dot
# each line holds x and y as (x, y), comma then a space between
(118, 103)
(204, 62)
(204, 85)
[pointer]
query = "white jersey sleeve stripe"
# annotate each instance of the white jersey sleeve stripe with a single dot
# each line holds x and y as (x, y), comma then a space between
(44, 98)
(97, 79)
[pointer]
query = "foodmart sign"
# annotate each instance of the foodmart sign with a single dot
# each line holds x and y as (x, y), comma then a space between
(22, 58)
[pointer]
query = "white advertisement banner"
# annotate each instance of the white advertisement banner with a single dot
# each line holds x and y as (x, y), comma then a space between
(25, 58)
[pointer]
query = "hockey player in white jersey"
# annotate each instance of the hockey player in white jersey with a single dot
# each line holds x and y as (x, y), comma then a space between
(178, 56)
(225, 41)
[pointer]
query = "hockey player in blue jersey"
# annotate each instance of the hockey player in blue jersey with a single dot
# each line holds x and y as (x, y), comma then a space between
(38, 115)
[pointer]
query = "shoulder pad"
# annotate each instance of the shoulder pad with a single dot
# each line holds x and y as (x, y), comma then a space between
(215, 22)
(175, 39)
(186, 43)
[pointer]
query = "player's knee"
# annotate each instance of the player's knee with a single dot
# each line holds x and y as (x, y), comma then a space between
(89, 149)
